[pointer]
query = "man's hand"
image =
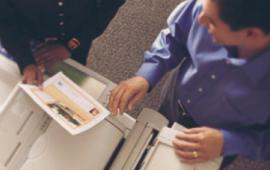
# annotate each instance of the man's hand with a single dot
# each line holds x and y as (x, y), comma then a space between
(51, 54)
(199, 144)
(127, 94)
(32, 75)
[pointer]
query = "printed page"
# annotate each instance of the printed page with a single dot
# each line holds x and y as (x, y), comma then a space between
(74, 109)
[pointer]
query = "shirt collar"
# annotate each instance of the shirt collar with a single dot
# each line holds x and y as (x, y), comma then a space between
(258, 67)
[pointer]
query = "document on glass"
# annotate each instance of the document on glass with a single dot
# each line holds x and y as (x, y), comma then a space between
(70, 106)
(164, 150)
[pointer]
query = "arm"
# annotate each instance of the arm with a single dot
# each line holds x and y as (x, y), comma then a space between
(88, 32)
(167, 51)
(252, 143)
(209, 143)
(14, 35)
(106, 11)
(169, 48)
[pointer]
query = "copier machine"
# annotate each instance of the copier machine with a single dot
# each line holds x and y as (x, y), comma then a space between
(30, 140)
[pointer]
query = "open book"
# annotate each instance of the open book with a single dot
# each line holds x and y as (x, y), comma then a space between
(70, 106)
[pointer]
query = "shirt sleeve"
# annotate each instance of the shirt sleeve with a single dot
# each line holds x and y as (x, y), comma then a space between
(169, 48)
(88, 32)
(252, 143)
(14, 35)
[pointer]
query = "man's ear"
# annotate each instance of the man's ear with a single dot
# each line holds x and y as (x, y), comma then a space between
(254, 33)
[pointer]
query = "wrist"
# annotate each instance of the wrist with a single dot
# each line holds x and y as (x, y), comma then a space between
(144, 82)
(29, 66)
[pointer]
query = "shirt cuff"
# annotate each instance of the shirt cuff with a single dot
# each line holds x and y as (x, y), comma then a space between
(151, 73)
(230, 144)
(237, 143)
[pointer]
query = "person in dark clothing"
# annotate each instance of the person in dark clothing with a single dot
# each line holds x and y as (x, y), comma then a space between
(41, 32)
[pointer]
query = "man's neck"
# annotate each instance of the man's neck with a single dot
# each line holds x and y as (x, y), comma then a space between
(249, 53)
(246, 53)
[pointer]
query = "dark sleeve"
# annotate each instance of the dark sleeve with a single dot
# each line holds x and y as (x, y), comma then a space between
(88, 32)
(106, 11)
(14, 36)
(100, 14)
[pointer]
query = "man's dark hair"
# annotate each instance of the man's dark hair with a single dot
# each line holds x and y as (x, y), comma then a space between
(245, 13)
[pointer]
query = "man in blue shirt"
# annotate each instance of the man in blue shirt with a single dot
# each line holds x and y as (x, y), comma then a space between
(222, 87)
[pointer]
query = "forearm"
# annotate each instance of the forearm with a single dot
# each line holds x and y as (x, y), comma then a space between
(253, 144)
(14, 34)
(166, 53)
(16, 45)
(169, 48)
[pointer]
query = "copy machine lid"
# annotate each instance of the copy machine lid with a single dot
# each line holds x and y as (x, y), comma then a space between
(9, 77)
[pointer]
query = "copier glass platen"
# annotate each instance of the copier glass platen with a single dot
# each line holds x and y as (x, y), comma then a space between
(30, 140)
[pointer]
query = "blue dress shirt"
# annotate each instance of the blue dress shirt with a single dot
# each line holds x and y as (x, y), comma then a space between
(216, 88)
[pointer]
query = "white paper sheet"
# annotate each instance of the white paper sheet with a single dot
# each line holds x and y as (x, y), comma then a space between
(70, 106)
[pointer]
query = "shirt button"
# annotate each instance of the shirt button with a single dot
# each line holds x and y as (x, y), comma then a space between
(63, 34)
(213, 76)
(61, 14)
(60, 3)
(61, 23)
(200, 89)
(228, 61)
(188, 101)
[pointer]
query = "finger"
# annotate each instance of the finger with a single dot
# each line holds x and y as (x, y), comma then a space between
(39, 77)
(185, 155)
(24, 79)
(188, 137)
(124, 100)
(192, 161)
(116, 99)
(29, 78)
(111, 99)
(194, 130)
(183, 145)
